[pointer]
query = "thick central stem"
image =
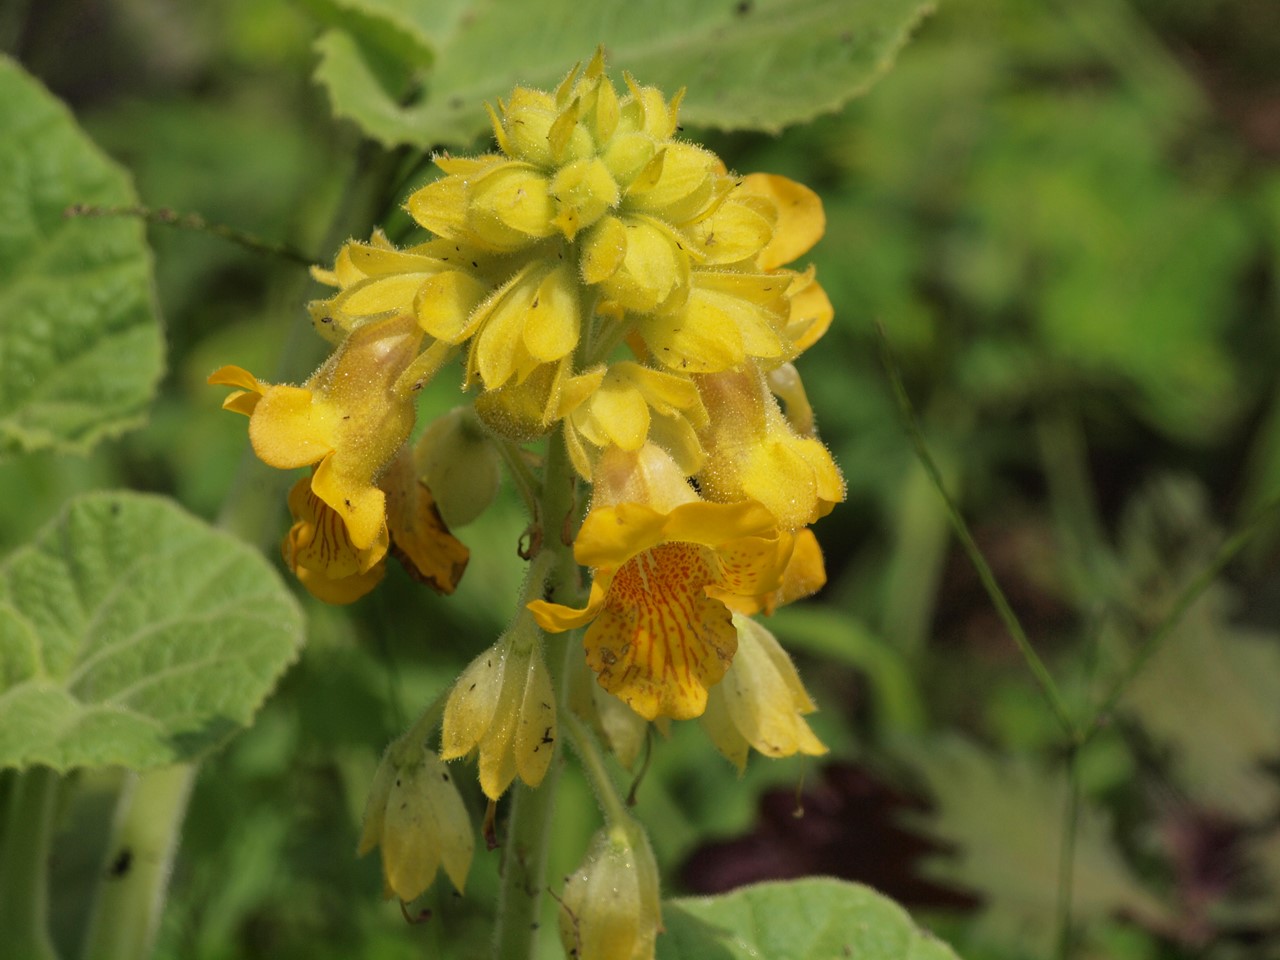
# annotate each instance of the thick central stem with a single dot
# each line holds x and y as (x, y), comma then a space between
(524, 864)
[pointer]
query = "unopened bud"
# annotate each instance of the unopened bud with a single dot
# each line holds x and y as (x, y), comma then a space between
(416, 816)
(610, 908)
(458, 460)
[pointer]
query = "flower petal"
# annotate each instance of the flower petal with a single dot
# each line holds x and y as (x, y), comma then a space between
(661, 642)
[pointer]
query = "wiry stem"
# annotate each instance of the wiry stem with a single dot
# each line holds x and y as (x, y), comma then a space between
(524, 864)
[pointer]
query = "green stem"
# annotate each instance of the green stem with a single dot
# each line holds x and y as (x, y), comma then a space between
(524, 864)
(24, 865)
(1038, 669)
(1067, 855)
(1075, 509)
(521, 477)
(588, 751)
(135, 878)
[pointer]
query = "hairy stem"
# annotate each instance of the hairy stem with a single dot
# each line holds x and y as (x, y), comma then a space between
(24, 865)
(135, 877)
(588, 751)
(524, 864)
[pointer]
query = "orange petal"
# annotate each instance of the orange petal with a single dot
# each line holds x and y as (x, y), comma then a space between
(420, 540)
(319, 551)
(361, 505)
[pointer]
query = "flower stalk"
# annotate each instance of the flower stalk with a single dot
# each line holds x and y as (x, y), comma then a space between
(554, 573)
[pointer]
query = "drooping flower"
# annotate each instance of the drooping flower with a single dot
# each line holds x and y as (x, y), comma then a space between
(660, 632)
(319, 551)
(416, 816)
(761, 702)
(610, 908)
(753, 452)
(349, 420)
(504, 707)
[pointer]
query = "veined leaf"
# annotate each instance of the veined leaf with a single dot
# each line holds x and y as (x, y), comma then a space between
(80, 344)
(1005, 817)
(812, 919)
(747, 64)
(132, 633)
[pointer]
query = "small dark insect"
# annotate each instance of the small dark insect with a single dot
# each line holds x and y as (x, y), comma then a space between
(121, 864)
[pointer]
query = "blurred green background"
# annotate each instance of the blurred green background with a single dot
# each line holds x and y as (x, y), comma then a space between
(1066, 215)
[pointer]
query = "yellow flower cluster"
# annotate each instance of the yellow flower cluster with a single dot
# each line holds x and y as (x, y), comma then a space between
(608, 281)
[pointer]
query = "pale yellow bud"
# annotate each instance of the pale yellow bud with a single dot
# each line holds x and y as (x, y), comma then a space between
(610, 908)
(416, 816)
(761, 702)
(503, 706)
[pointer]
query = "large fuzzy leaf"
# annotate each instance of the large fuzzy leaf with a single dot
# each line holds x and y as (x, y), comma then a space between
(133, 634)
(80, 344)
(747, 64)
(813, 919)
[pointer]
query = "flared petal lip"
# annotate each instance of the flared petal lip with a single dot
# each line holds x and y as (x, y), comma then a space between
(233, 376)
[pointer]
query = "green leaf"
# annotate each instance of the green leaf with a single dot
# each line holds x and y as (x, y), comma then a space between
(812, 919)
(1005, 816)
(80, 344)
(131, 633)
(1210, 695)
(747, 64)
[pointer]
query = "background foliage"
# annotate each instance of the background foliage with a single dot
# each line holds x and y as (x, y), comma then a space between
(1067, 217)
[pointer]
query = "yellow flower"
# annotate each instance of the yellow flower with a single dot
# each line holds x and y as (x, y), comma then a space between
(610, 909)
(318, 548)
(319, 551)
(660, 633)
(753, 453)
(760, 703)
(350, 418)
(417, 817)
(503, 706)
(632, 404)
(441, 282)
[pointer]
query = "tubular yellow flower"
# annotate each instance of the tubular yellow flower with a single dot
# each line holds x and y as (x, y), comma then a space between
(440, 281)
(753, 453)
(760, 703)
(503, 706)
(610, 908)
(349, 419)
(417, 817)
(660, 633)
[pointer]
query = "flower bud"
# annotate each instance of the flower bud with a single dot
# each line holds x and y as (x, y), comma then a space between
(417, 817)
(460, 464)
(504, 707)
(610, 908)
(760, 702)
